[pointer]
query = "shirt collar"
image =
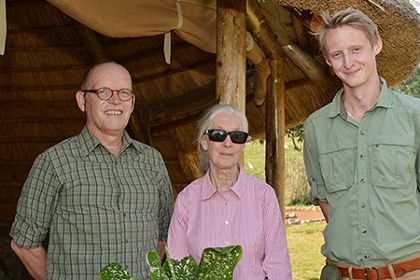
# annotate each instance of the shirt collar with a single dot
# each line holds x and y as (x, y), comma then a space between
(337, 107)
(88, 142)
(238, 188)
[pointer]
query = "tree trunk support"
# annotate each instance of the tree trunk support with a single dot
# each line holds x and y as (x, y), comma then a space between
(275, 128)
(231, 53)
(275, 102)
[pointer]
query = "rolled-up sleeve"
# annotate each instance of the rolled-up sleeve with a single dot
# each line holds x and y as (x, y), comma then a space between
(36, 205)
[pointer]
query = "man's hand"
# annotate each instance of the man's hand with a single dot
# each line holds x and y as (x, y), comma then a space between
(324, 209)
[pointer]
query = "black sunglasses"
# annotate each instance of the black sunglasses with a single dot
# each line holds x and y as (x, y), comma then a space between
(219, 135)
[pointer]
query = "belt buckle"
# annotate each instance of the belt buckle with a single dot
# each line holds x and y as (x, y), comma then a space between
(372, 268)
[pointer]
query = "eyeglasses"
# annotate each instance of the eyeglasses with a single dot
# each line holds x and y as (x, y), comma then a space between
(123, 94)
(219, 135)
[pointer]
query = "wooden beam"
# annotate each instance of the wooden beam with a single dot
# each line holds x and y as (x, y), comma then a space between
(182, 68)
(50, 29)
(261, 31)
(42, 69)
(275, 128)
(31, 140)
(37, 104)
(192, 101)
(47, 49)
(16, 163)
(308, 65)
(231, 53)
(183, 46)
(175, 124)
(11, 184)
(92, 42)
(139, 129)
(275, 101)
(42, 120)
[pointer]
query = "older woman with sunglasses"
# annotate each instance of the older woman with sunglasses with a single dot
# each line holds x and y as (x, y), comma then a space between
(228, 207)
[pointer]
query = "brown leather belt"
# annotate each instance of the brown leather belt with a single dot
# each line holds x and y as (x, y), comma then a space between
(382, 272)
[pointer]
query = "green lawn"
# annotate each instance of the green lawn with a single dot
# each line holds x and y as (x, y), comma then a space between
(304, 242)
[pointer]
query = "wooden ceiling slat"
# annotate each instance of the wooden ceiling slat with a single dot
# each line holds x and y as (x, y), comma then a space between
(40, 30)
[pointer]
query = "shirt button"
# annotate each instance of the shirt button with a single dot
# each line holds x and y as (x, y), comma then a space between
(362, 180)
(225, 202)
(364, 231)
(363, 205)
(362, 156)
(227, 242)
(125, 241)
(125, 267)
(367, 256)
(362, 133)
(125, 215)
(226, 222)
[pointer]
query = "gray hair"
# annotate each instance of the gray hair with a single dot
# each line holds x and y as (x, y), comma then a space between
(204, 125)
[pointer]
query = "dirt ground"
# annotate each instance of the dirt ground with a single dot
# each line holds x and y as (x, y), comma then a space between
(304, 213)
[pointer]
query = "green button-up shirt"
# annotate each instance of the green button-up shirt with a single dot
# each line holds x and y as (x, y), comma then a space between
(96, 208)
(368, 172)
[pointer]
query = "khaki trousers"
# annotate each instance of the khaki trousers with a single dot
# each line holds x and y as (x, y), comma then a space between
(412, 275)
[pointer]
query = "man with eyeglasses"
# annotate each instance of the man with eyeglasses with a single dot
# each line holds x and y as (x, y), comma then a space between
(100, 196)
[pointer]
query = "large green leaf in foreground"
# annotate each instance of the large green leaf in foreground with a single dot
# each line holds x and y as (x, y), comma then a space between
(215, 264)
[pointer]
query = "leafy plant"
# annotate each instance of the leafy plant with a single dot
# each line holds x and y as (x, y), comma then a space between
(215, 263)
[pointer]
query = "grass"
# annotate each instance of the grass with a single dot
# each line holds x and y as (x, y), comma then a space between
(304, 241)
(297, 187)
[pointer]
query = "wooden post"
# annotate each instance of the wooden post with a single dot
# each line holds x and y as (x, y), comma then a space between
(276, 126)
(231, 53)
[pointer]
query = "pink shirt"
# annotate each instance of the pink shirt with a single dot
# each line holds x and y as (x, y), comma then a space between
(247, 215)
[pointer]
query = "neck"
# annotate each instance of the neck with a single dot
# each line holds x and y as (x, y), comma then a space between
(224, 179)
(113, 142)
(359, 100)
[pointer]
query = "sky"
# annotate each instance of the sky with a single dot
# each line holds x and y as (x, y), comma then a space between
(416, 3)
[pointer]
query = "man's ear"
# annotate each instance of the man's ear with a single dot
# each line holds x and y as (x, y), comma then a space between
(377, 45)
(81, 100)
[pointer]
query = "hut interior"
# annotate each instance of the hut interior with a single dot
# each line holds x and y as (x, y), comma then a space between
(170, 48)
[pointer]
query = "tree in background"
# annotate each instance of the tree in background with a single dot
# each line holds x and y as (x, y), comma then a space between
(296, 135)
(411, 85)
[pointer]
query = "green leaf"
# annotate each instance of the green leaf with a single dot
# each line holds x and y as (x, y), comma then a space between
(114, 271)
(215, 264)
(153, 260)
(219, 263)
(185, 269)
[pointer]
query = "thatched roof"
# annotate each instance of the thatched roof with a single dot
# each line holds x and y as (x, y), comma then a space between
(48, 50)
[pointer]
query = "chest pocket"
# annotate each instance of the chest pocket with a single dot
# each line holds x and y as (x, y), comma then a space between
(393, 159)
(337, 162)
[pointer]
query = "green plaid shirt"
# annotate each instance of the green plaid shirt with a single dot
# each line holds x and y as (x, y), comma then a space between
(96, 208)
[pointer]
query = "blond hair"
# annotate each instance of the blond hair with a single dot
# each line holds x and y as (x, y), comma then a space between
(350, 17)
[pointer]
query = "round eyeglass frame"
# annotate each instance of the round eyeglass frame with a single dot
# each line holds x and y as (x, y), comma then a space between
(96, 91)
